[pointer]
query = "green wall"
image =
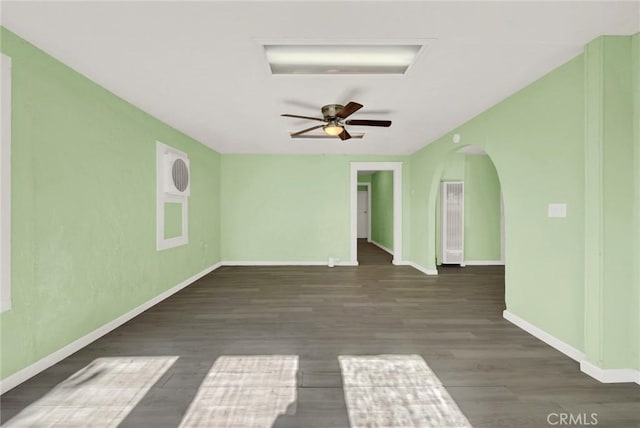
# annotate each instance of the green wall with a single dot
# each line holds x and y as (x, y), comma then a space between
(481, 209)
(382, 208)
(83, 208)
(285, 208)
(172, 220)
(454, 167)
(535, 140)
(289, 207)
(618, 203)
(611, 331)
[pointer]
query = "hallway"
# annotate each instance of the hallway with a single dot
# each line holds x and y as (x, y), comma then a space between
(370, 254)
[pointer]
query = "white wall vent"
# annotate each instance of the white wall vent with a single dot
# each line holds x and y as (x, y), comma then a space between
(452, 201)
(176, 173)
(173, 186)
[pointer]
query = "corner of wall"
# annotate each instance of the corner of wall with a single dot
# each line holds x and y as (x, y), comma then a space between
(636, 114)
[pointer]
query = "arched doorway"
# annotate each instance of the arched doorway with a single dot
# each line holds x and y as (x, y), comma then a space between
(471, 222)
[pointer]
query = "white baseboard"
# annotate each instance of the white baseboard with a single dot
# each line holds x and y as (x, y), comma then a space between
(550, 340)
(418, 267)
(602, 375)
(283, 263)
(17, 378)
(610, 375)
(273, 263)
(484, 262)
(382, 247)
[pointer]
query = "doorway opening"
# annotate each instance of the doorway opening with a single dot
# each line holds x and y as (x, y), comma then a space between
(469, 218)
(376, 212)
(469, 211)
(375, 217)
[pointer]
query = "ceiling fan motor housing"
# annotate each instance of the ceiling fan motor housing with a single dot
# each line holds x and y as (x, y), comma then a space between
(331, 110)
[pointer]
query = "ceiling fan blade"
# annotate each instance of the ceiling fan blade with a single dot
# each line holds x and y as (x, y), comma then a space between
(293, 134)
(344, 135)
(302, 117)
(348, 110)
(303, 105)
(363, 122)
(324, 137)
(386, 112)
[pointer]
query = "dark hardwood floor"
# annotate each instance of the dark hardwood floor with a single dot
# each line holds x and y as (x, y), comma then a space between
(498, 375)
(369, 254)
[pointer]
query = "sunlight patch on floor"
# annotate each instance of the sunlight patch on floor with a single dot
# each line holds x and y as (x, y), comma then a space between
(245, 391)
(100, 395)
(396, 391)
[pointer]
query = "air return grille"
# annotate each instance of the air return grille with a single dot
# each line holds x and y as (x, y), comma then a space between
(180, 175)
(176, 181)
(452, 200)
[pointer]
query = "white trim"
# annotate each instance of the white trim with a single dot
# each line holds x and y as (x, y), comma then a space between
(550, 340)
(369, 196)
(163, 198)
(396, 167)
(382, 247)
(602, 375)
(368, 185)
(17, 378)
(610, 375)
(5, 184)
(418, 267)
(501, 223)
(484, 262)
(283, 263)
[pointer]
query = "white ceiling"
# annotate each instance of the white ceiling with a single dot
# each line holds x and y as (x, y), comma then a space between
(198, 66)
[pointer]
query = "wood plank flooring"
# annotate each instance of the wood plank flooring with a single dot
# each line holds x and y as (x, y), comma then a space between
(498, 375)
(369, 254)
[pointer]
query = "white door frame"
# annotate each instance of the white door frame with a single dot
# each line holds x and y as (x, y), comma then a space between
(396, 167)
(501, 227)
(368, 185)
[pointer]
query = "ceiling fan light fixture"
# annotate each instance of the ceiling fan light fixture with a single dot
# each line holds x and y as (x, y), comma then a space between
(333, 129)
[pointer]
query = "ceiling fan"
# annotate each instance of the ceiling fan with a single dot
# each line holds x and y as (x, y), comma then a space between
(334, 118)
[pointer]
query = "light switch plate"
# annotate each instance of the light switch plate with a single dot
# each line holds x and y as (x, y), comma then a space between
(557, 210)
